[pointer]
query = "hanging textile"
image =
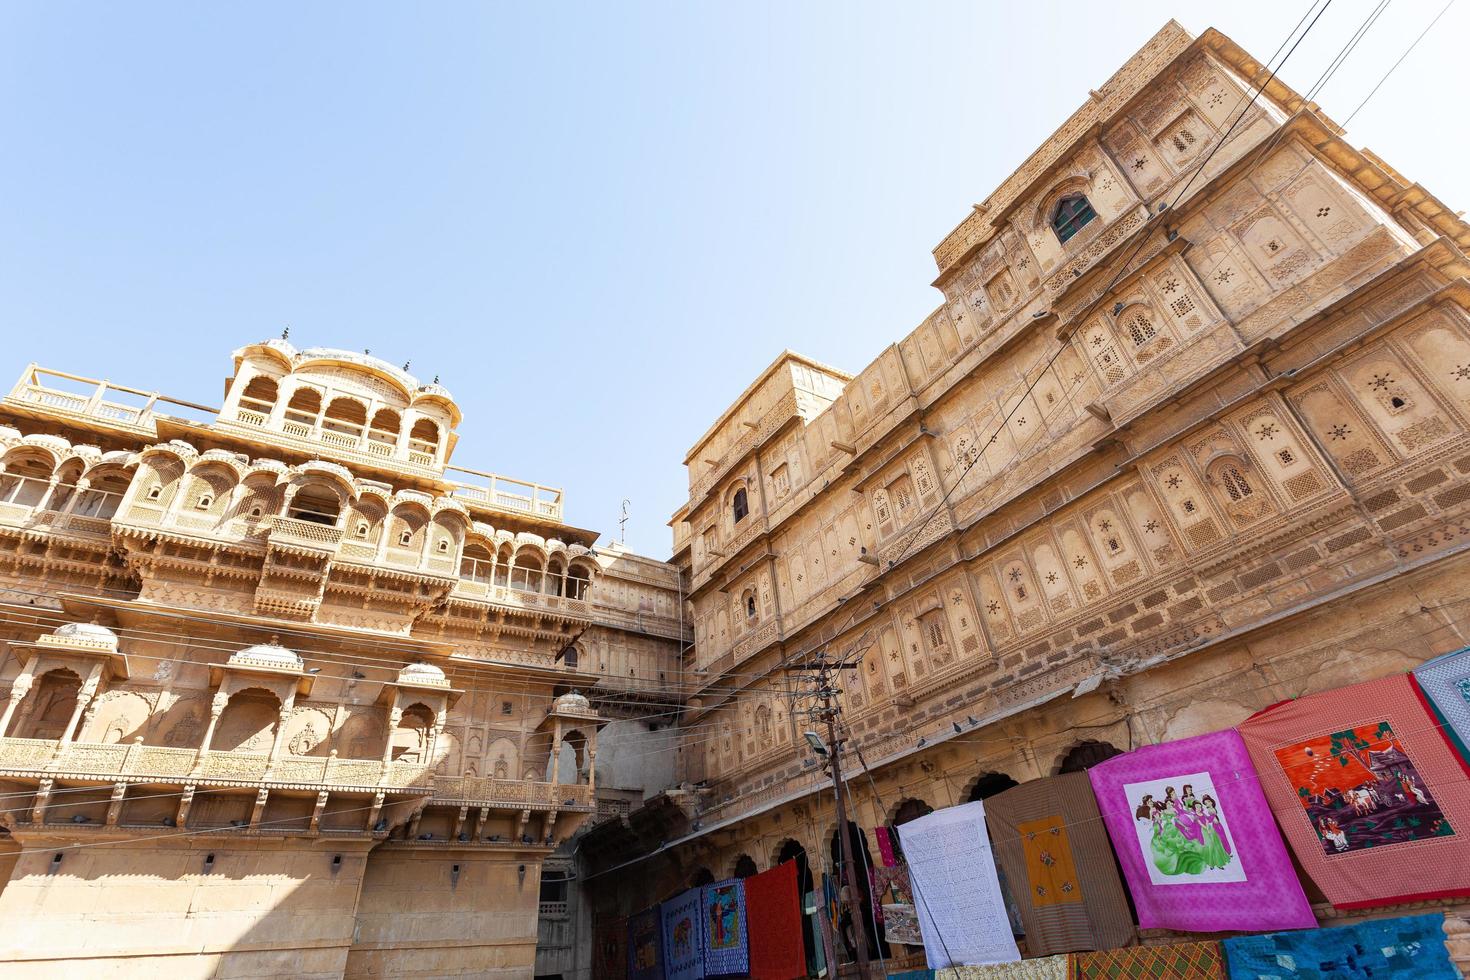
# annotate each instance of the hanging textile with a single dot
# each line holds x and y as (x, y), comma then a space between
(1445, 684)
(1409, 948)
(1181, 961)
(1052, 846)
(1040, 968)
(952, 870)
(726, 942)
(912, 975)
(901, 925)
(773, 911)
(1196, 839)
(885, 846)
(610, 948)
(815, 916)
(684, 936)
(1368, 793)
(646, 945)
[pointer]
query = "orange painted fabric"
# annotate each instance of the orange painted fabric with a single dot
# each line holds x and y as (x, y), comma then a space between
(1367, 792)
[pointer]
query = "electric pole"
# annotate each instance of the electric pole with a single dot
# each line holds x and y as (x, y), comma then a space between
(827, 710)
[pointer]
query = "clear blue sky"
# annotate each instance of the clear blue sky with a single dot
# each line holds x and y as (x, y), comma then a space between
(596, 222)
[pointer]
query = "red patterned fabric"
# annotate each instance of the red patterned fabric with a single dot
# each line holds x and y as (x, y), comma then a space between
(1367, 792)
(774, 914)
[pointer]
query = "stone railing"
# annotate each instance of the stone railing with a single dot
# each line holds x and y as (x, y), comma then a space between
(518, 599)
(489, 791)
(291, 531)
(159, 762)
(506, 493)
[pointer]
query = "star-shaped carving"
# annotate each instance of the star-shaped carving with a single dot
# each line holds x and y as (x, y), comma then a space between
(1015, 574)
(1462, 372)
(1140, 162)
(992, 607)
(1339, 432)
(1080, 561)
(1097, 340)
(1151, 526)
(1105, 525)
(1173, 482)
(1051, 578)
(1267, 431)
(1224, 276)
(1381, 382)
(1171, 285)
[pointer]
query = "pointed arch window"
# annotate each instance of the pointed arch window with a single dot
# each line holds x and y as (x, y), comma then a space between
(1235, 482)
(1073, 211)
(740, 505)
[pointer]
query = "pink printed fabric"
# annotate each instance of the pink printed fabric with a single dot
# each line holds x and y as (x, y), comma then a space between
(885, 846)
(1197, 840)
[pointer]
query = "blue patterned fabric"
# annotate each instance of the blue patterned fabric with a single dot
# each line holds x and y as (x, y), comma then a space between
(1445, 682)
(683, 936)
(646, 945)
(1411, 948)
(726, 937)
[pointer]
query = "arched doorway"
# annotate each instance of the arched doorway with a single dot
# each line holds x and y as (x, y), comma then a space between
(792, 850)
(862, 861)
(1084, 755)
(744, 866)
(988, 785)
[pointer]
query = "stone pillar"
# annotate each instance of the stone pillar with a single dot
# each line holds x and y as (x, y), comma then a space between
(18, 690)
(45, 502)
(280, 740)
(216, 708)
(84, 698)
(82, 486)
(556, 754)
(395, 715)
(440, 717)
(592, 759)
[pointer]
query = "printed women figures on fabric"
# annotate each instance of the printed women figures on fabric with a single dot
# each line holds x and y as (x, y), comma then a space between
(1360, 789)
(1197, 842)
(1182, 832)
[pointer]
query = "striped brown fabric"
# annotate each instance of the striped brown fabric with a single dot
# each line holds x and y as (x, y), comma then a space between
(1050, 840)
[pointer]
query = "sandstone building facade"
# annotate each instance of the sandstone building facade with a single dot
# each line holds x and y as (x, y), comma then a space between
(290, 695)
(1188, 435)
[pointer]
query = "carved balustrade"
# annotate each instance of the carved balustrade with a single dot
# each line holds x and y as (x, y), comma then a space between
(36, 758)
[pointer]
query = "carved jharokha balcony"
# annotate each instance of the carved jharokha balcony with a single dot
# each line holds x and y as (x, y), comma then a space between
(33, 758)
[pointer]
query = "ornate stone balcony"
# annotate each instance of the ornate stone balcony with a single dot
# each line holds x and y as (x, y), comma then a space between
(35, 758)
(294, 533)
(135, 762)
(489, 791)
(504, 493)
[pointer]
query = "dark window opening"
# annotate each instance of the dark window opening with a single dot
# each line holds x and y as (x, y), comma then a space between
(1072, 213)
(740, 505)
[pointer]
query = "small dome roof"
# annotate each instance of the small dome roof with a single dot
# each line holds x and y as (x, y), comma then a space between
(422, 673)
(89, 633)
(572, 701)
(266, 655)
